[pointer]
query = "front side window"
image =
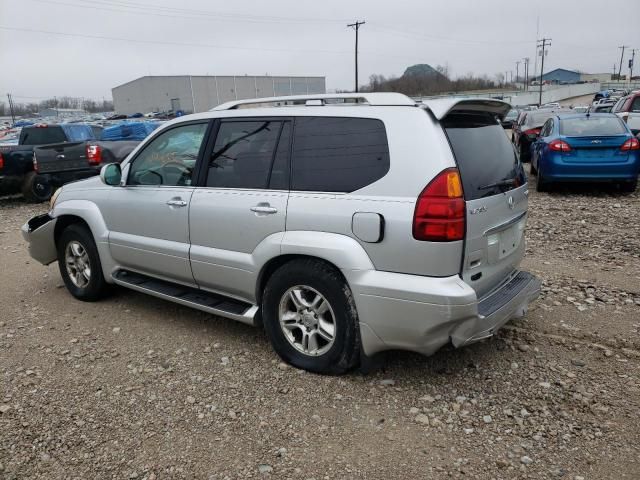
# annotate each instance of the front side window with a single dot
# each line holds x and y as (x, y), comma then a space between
(635, 106)
(333, 154)
(170, 158)
(244, 153)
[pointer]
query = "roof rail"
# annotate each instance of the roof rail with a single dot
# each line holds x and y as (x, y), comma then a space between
(349, 99)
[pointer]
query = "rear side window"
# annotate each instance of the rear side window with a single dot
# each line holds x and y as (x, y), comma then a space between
(244, 154)
(587, 126)
(42, 135)
(486, 158)
(635, 106)
(333, 154)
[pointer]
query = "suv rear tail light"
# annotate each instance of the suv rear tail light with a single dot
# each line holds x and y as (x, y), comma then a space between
(560, 146)
(1, 161)
(94, 154)
(36, 168)
(440, 210)
(631, 144)
(532, 132)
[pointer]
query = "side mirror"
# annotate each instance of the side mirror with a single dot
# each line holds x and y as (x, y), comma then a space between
(111, 174)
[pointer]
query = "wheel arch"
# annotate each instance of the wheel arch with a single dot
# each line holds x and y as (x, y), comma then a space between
(340, 252)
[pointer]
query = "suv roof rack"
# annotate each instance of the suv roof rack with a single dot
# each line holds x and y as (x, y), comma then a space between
(345, 99)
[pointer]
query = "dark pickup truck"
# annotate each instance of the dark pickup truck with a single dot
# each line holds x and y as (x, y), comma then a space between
(59, 164)
(17, 172)
(64, 163)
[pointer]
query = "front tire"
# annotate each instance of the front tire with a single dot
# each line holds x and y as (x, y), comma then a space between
(80, 265)
(310, 317)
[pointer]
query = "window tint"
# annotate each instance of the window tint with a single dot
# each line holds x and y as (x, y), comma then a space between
(42, 135)
(169, 159)
(332, 154)
(279, 179)
(587, 126)
(635, 106)
(243, 154)
(484, 155)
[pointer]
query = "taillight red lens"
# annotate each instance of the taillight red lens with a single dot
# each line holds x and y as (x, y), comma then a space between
(532, 131)
(560, 146)
(94, 154)
(631, 144)
(1, 161)
(36, 167)
(440, 210)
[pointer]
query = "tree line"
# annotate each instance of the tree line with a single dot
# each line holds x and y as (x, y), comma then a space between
(32, 108)
(431, 84)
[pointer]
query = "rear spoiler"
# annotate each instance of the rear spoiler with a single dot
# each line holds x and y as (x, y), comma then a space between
(441, 107)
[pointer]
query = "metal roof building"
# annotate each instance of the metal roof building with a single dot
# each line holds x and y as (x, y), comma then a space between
(562, 75)
(193, 94)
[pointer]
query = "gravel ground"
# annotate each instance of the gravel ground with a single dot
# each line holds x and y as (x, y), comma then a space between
(136, 388)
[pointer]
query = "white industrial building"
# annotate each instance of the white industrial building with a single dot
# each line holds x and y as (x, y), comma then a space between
(193, 94)
(61, 112)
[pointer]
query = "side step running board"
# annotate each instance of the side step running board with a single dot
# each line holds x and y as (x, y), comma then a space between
(191, 297)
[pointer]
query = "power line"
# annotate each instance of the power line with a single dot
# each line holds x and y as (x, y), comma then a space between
(165, 42)
(356, 26)
(181, 13)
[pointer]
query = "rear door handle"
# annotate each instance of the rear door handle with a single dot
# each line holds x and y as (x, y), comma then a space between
(177, 202)
(264, 208)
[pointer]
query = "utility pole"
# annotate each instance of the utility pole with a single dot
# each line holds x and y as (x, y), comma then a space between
(356, 27)
(526, 73)
(621, 58)
(517, 71)
(13, 116)
(633, 57)
(545, 43)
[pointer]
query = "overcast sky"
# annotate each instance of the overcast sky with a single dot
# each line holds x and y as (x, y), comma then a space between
(294, 37)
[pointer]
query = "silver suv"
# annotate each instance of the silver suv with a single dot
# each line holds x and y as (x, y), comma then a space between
(345, 224)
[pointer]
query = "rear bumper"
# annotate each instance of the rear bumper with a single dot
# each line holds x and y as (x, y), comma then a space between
(556, 168)
(422, 314)
(40, 233)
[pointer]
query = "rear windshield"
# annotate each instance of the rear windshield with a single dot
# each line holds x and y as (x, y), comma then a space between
(589, 126)
(486, 158)
(42, 135)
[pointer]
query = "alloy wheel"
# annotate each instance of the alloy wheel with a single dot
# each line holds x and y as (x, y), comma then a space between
(307, 320)
(78, 264)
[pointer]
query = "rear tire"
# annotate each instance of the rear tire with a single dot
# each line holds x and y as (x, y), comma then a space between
(541, 184)
(27, 188)
(310, 317)
(79, 264)
(629, 187)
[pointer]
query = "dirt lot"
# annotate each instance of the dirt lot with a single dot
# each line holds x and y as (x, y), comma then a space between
(136, 388)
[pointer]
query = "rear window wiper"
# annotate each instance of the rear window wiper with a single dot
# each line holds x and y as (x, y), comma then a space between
(502, 183)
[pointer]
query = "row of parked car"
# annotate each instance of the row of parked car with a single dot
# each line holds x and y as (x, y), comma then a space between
(49, 155)
(566, 144)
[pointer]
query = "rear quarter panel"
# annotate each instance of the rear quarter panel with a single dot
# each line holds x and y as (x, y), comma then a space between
(419, 150)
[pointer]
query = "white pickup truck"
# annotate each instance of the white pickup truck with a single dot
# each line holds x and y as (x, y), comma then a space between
(628, 108)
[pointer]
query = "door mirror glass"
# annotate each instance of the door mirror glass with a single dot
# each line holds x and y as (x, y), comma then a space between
(111, 174)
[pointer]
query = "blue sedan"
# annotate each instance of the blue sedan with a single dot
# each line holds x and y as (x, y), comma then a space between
(597, 147)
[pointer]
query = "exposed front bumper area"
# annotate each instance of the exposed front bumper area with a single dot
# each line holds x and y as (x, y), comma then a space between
(39, 232)
(422, 314)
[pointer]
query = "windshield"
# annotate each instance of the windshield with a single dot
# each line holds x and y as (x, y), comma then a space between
(590, 126)
(486, 158)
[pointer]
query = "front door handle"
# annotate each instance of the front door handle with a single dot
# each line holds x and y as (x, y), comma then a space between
(264, 208)
(177, 202)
